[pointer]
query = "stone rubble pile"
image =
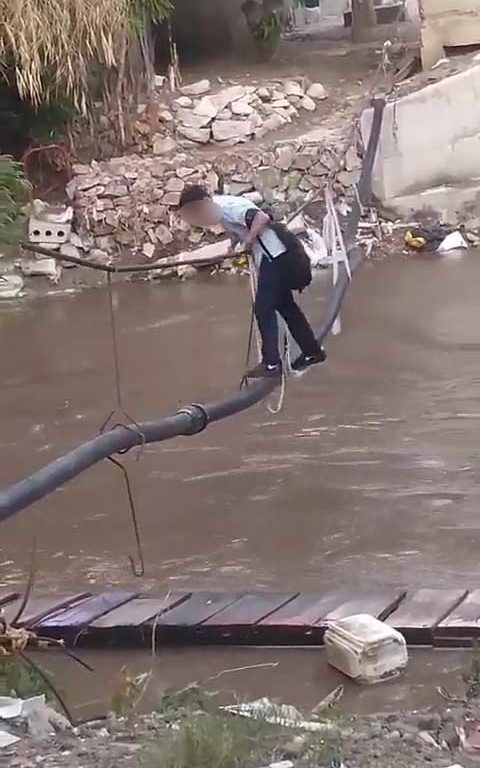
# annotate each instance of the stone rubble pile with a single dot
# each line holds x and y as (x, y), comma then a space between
(129, 203)
(229, 116)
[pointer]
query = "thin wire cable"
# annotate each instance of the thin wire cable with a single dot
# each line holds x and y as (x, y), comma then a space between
(138, 569)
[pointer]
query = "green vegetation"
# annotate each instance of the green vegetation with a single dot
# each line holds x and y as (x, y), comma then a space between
(197, 733)
(13, 195)
(16, 679)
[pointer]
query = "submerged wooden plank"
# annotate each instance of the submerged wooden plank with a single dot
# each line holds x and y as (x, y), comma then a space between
(40, 608)
(423, 610)
(379, 603)
(464, 620)
(89, 610)
(200, 607)
(250, 609)
(138, 611)
(305, 610)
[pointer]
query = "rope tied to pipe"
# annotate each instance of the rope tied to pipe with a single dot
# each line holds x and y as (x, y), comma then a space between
(137, 568)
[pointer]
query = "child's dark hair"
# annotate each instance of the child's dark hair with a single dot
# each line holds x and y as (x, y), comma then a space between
(193, 193)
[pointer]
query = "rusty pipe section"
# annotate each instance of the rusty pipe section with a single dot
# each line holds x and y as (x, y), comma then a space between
(191, 419)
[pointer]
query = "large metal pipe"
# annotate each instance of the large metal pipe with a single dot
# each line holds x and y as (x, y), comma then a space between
(194, 418)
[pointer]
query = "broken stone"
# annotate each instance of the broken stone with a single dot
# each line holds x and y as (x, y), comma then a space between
(292, 88)
(239, 188)
(195, 237)
(266, 180)
(237, 130)
(80, 169)
(71, 188)
(272, 123)
(11, 286)
(163, 234)
(186, 271)
(210, 106)
(352, 160)
(285, 157)
(242, 107)
(148, 250)
(348, 178)
(225, 114)
(183, 101)
(43, 267)
(303, 161)
(197, 88)
(100, 256)
(69, 249)
(317, 92)
(192, 119)
(171, 198)
(157, 212)
(280, 104)
(263, 94)
(199, 135)
(175, 185)
(212, 181)
(308, 103)
(166, 116)
(162, 145)
(183, 172)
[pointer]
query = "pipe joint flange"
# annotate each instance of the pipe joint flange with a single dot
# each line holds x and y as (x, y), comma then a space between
(198, 418)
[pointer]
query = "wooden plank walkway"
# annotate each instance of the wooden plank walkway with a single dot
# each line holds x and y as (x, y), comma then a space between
(447, 618)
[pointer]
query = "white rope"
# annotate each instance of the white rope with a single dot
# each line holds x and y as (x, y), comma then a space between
(333, 237)
(285, 354)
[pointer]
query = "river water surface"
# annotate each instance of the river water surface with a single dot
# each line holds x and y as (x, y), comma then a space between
(368, 476)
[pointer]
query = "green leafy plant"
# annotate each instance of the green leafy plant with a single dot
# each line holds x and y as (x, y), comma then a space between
(16, 679)
(212, 741)
(13, 194)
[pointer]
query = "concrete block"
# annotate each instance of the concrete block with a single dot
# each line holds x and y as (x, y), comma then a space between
(429, 138)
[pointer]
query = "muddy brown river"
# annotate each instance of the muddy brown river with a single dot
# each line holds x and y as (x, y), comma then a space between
(369, 474)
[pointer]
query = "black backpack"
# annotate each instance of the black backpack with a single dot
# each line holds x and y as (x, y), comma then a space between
(294, 265)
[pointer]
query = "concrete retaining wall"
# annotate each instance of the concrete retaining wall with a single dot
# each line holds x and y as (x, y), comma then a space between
(430, 139)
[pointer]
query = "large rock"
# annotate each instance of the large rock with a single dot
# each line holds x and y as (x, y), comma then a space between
(280, 104)
(171, 198)
(308, 103)
(242, 107)
(162, 145)
(199, 135)
(285, 157)
(210, 106)
(272, 123)
(231, 130)
(191, 119)
(293, 88)
(184, 102)
(11, 286)
(163, 234)
(197, 88)
(317, 92)
(175, 185)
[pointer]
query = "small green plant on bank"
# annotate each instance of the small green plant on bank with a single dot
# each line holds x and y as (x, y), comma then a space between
(13, 195)
(21, 681)
(471, 675)
(197, 733)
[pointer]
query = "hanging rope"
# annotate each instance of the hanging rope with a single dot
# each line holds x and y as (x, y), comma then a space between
(129, 423)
